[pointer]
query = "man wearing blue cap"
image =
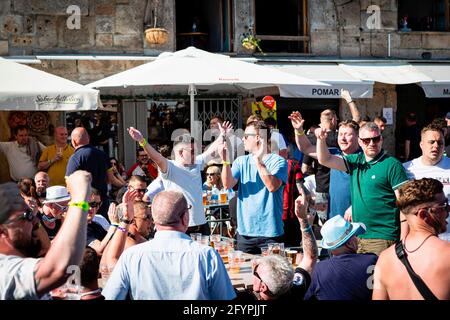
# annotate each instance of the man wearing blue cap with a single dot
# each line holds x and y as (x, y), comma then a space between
(345, 275)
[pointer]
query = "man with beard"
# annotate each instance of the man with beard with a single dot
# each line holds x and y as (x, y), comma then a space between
(21, 275)
(425, 206)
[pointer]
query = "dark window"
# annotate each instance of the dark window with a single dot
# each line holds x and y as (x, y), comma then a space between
(205, 24)
(282, 26)
(424, 15)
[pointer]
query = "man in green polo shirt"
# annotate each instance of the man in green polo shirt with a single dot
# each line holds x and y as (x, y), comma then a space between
(375, 177)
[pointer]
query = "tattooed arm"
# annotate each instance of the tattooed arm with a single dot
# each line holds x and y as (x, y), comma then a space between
(310, 250)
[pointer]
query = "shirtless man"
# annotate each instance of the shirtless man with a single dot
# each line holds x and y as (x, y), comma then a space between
(425, 207)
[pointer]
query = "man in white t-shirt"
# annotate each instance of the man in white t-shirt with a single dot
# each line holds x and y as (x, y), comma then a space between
(184, 173)
(432, 163)
(22, 154)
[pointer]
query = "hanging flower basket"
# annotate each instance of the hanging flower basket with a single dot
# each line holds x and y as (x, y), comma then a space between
(156, 35)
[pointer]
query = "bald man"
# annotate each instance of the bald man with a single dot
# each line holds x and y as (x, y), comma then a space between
(86, 157)
(170, 266)
(55, 157)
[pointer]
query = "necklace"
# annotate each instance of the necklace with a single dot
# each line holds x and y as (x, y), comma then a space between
(419, 244)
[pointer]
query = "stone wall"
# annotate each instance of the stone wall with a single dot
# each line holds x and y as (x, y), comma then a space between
(342, 30)
(106, 26)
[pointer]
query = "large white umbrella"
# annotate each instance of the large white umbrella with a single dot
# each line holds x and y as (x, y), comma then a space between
(28, 89)
(191, 70)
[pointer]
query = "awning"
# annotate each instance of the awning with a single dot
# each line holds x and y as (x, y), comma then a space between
(439, 87)
(329, 73)
(391, 73)
(28, 89)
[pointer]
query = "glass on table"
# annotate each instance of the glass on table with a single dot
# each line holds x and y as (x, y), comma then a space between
(291, 255)
(213, 239)
(223, 196)
(195, 236)
(234, 261)
(204, 240)
(265, 251)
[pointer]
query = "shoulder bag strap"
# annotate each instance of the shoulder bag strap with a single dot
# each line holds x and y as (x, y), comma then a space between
(418, 282)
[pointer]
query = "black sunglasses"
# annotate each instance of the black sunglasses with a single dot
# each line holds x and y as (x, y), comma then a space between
(256, 274)
(95, 204)
(143, 190)
(366, 141)
(211, 174)
(26, 215)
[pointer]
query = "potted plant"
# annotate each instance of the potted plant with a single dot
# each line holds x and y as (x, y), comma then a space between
(154, 35)
(249, 42)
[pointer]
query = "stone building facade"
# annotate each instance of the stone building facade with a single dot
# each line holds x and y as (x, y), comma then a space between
(84, 40)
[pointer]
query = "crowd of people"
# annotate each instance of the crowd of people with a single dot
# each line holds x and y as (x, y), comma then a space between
(71, 204)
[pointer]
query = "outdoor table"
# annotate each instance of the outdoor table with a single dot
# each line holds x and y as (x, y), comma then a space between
(222, 219)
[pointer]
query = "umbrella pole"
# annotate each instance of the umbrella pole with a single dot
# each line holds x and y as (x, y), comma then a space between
(192, 92)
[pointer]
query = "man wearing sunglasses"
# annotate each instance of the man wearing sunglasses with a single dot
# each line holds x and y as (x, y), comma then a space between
(375, 177)
(55, 206)
(22, 276)
(184, 173)
(170, 266)
(425, 206)
(432, 163)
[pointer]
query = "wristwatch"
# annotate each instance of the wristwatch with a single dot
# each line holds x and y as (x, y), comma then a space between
(126, 221)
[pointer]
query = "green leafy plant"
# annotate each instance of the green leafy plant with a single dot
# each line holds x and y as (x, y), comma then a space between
(250, 42)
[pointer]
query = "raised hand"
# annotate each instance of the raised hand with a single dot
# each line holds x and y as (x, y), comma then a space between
(296, 120)
(321, 133)
(128, 202)
(225, 128)
(345, 94)
(301, 206)
(79, 185)
(113, 218)
(261, 150)
(135, 134)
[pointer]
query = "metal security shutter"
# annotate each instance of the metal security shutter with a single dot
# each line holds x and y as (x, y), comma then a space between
(230, 109)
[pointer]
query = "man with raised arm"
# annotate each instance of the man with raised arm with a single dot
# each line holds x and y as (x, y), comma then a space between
(184, 173)
(273, 276)
(23, 276)
(375, 178)
(170, 266)
(262, 176)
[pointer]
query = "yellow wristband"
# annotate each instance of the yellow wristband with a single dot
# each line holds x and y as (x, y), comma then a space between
(84, 205)
(299, 134)
(226, 163)
(143, 142)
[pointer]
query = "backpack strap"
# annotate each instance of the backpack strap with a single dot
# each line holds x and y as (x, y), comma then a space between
(417, 280)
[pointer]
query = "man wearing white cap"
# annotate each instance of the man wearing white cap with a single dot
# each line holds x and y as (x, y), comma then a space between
(55, 205)
(344, 276)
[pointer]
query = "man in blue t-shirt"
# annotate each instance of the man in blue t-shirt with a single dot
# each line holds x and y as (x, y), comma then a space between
(345, 275)
(261, 177)
(96, 162)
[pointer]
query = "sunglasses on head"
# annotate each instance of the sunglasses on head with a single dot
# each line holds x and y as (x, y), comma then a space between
(94, 204)
(366, 141)
(27, 215)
